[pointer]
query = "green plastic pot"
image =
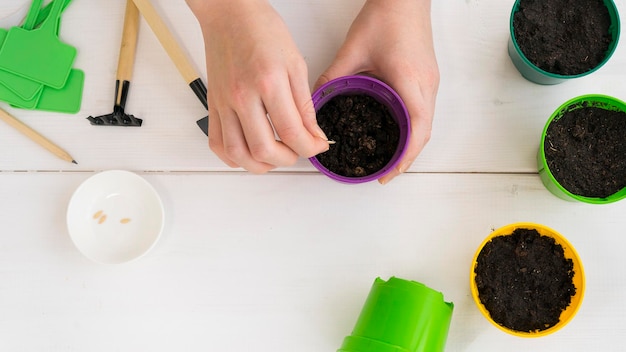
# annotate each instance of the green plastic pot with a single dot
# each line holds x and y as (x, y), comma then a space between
(594, 100)
(537, 75)
(401, 316)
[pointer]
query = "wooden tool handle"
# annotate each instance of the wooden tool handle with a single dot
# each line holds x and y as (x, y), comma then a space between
(167, 40)
(35, 136)
(129, 42)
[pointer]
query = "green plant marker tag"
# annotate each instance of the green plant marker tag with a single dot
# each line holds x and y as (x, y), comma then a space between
(45, 11)
(67, 99)
(9, 96)
(20, 86)
(38, 54)
(25, 89)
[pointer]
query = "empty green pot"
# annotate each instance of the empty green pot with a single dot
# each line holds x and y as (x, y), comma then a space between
(401, 316)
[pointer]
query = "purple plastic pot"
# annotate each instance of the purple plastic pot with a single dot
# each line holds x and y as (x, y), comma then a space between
(364, 85)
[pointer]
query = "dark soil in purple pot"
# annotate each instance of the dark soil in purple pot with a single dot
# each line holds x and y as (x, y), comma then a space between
(365, 133)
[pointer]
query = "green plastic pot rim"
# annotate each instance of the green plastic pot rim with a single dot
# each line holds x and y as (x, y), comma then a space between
(400, 315)
(614, 29)
(600, 100)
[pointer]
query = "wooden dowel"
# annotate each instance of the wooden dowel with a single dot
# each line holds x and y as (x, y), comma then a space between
(167, 40)
(129, 42)
(35, 136)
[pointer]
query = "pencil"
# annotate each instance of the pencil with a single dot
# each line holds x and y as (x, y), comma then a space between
(35, 137)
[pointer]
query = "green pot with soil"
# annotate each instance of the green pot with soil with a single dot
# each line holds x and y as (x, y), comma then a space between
(582, 153)
(368, 126)
(527, 280)
(552, 41)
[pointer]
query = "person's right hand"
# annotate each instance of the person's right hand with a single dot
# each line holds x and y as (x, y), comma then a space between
(254, 71)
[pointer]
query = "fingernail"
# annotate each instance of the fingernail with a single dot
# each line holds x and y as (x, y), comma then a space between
(320, 133)
(385, 180)
(403, 167)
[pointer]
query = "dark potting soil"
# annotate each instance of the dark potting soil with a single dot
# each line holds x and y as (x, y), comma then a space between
(585, 151)
(524, 280)
(566, 37)
(365, 133)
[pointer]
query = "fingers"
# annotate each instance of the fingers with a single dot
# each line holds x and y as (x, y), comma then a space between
(304, 103)
(230, 145)
(420, 135)
(216, 141)
(247, 141)
(420, 103)
(256, 71)
(297, 128)
(262, 145)
(246, 137)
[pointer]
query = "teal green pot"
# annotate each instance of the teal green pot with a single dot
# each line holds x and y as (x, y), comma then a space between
(547, 178)
(537, 75)
(400, 316)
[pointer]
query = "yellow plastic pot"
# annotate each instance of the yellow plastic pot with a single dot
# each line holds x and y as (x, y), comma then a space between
(578, 279)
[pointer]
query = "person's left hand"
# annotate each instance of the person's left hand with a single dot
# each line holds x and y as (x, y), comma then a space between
(392, 40)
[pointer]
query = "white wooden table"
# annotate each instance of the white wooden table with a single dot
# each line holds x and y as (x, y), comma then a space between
(284, 261)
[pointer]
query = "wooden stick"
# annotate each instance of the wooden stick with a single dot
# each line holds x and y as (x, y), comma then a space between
(128, 49)
(167, 40)
(35, 137)
(129, 42)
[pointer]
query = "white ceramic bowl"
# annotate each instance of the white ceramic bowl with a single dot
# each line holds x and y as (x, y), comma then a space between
(114, 217)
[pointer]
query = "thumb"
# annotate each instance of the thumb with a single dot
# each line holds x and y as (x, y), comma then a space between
(343, 65)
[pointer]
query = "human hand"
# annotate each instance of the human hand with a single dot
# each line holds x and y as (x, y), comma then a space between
(257, 84)
(392, 40)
